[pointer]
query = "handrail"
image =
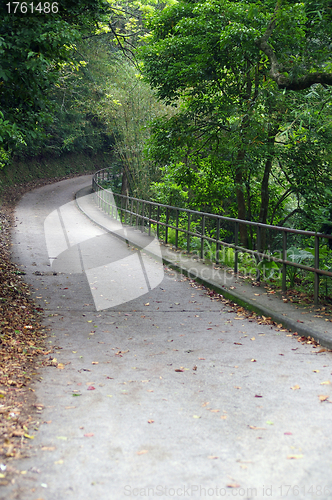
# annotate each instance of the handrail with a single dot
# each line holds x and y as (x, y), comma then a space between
(106, 200)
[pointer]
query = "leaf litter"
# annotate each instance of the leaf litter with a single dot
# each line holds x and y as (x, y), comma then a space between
(251, 316)
(22, 341)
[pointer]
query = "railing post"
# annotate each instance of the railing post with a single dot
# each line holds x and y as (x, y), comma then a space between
(316, 284)
(142, 224)
(108, 202)
(236, 242)
(126, 211)
(166, 228)
(284, 257)
(258, 259)
(121, 209)
(177, 228)
(158, 218)
(137, 207)
(217, 240)
(188, 235)
(202, 237)
(131, 212)
(150, 208)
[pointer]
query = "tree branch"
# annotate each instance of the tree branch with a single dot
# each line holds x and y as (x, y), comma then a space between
(283, 81)
(293, 212)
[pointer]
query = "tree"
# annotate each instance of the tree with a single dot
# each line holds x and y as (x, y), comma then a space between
(117, 98)
(34, 48)
(231, 68)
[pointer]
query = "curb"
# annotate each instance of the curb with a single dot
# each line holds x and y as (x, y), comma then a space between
(304, 331)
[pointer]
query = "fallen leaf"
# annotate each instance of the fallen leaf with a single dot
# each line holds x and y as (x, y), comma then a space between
(142, 452)
(315, 371)
(213, 457)
(60, 366)
(95, 362)
(147, 304)
(269, 422)
(295, 387)
(327, 382)
(58, 462)
(253, 360)
(257, 428)
(150, 421)
(215, 411)
(91, 388)
(196, 416)
(179, 370)
(233, 485)
(28, 436)
(323, 398)
(288, 433)
(252, 338)
(62, 438)
(294, 457)
(258, 396)
(89, 434)
(223, 417)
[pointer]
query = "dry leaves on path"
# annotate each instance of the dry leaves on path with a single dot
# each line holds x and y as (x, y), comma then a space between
(21, 341)
(251, 316)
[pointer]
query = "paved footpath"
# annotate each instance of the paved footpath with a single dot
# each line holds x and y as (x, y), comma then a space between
(159, 391)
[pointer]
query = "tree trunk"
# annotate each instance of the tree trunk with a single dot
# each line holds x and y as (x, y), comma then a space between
(125, 183)
(265, 194)
(240, 198)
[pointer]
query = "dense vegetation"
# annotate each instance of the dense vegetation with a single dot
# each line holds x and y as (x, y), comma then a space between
(251, 84)
(219, 105)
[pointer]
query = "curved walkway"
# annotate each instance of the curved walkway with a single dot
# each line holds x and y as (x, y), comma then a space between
(308, 321)
(167, 395)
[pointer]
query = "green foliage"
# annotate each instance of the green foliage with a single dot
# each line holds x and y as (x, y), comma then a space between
(268, 269)
(34, 50)
(239, 143)
(118, 105)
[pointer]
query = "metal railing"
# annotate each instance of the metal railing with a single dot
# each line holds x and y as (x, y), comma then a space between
(210, 234)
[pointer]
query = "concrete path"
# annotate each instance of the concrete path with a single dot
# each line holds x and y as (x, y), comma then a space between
(168, 394)
(307, 320)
